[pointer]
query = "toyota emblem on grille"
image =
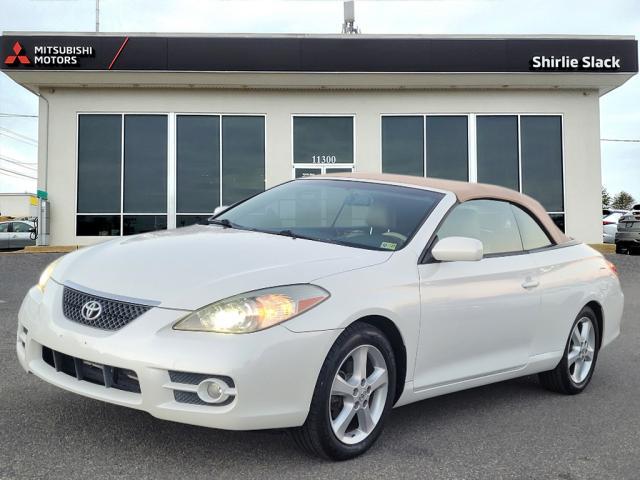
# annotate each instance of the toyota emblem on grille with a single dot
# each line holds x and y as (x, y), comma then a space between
(91, 310)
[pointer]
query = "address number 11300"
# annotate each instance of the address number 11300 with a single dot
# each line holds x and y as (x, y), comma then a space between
(323, 159)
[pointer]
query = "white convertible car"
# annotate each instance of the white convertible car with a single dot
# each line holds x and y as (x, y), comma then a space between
(322, 303)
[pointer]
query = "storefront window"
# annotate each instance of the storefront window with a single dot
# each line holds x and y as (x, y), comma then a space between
(403, 145)
(197, 163)
(145, 164)
(541, 145)
(521, 152)
(322, 140)
(99, 152)
(125, 179)
(243, 168)
(444, 139)
(307, 172)
(558, 219)
(497, 137)
(186, 220)
(200, 184)
(322, 145)
(447, 149)
(108, 160)
(98, 225)
(133, 224)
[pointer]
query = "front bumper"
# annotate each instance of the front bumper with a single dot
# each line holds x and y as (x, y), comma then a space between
(274, 371)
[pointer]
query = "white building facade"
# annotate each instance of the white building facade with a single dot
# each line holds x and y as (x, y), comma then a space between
(142, 133)
(18, 205)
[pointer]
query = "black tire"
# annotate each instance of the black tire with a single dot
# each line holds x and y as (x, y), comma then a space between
(559, 379)
(316, 436)
(623, 249)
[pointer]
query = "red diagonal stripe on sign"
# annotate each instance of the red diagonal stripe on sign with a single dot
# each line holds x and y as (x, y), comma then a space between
(118, 53)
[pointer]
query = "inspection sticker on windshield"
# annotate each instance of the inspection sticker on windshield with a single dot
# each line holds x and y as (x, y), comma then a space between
(388, 245)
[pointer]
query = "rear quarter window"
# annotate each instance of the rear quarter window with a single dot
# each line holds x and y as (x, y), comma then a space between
(533, 236)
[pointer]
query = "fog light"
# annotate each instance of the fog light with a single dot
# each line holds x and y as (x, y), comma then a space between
(215, 390)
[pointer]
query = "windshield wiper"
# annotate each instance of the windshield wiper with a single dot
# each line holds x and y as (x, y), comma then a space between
(222, 221)
(292, 234)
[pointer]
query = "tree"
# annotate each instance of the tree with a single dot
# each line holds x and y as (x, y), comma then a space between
(606, 197)
(623, 201)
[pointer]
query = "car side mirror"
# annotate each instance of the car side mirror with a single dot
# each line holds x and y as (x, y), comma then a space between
(33, 230)
(220, 209)
(457, 249)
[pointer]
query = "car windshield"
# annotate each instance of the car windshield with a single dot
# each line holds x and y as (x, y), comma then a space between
(357, 214)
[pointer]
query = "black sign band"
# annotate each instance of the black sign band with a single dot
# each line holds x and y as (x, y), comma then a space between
(356, 53)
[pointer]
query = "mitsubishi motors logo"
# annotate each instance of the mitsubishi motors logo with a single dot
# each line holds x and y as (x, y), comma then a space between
(17, 50)
(48, 55)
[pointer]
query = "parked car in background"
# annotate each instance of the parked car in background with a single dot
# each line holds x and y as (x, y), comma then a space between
(610, 221)
(628, 233)
(16, 234)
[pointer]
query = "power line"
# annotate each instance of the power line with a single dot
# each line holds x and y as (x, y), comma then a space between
(17, 162)
(19, 137)
(13, 172)
(629, 140)
(13, 132)
(19, 115)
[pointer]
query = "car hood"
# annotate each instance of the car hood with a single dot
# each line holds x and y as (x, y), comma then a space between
(191, 267)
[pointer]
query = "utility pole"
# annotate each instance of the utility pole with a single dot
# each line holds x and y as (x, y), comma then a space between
(97, 16)
(349, 25)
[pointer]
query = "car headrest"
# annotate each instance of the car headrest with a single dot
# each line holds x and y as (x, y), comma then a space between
(378, 216)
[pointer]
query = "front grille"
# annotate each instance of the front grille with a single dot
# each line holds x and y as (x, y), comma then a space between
(191, 398)
(96, 373)
(114, 314)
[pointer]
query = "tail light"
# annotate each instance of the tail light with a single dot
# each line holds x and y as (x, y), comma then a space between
(606, 222)
(612, 267)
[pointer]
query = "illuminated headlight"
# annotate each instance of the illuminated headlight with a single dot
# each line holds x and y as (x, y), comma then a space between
(46, 274)
(253, 311)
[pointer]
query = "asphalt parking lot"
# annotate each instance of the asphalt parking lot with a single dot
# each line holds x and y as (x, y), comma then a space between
(513, 429)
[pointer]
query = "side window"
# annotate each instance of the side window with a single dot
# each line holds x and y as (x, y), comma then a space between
(490, 221)
(4, 227)
(20, 227)
(533, 236)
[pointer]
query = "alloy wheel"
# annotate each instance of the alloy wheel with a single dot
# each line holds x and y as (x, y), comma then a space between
(358, 394)
(582, 347)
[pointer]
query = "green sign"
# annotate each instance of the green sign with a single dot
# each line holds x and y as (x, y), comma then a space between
(42, 194)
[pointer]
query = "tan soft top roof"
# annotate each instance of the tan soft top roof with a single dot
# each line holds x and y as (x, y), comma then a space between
(463, 191)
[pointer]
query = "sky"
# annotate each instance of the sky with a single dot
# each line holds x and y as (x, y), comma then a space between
(619, 110)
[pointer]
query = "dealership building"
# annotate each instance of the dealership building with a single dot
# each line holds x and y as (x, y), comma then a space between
(146, 132)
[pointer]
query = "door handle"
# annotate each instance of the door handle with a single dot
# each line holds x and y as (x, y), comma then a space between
(530, 283)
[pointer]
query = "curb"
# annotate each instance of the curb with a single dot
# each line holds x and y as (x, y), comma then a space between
(604, 247)
(44, 249)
